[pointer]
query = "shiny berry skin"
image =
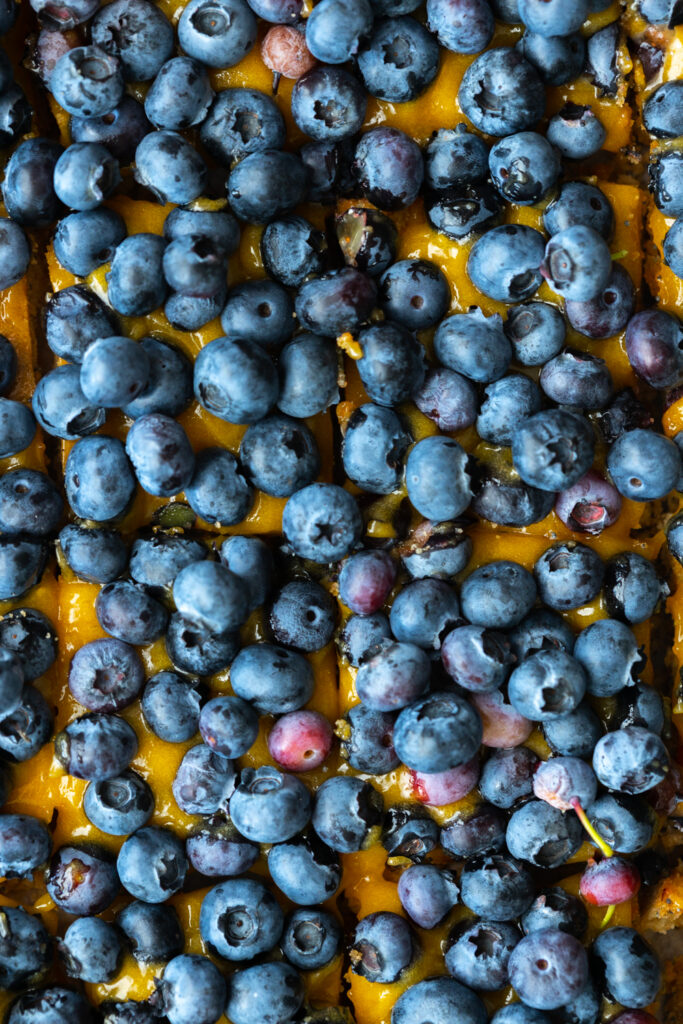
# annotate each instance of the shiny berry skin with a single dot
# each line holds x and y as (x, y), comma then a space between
(608, 312)
(427, 893)
(654, 346)
(501, 92)
(547, 685)
(269, 806)
(442, 999)
(365, 581)
(496, 886)
(448, 398)
(152, 864)
(240, 919)
(476, 658)
(300, 740)
(644, 465)
(340, 300)
(311, 938)
(629, 967)
(507, 776)
(409, 832)
(548, 969)
(383, 947)
(577, 263)
(631, 760)
(389, 167)
(608, 881)
(82, 880)
(589, 505)
(306, 870)
(447, 787)
(91, 950)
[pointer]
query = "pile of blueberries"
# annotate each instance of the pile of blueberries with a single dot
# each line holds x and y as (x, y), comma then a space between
(451, 679)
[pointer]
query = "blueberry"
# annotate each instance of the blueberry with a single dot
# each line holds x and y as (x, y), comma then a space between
(157, 560)
(29, 194)
(60, 406)
(476, 659)
(292, 250)
(552, 18)
(265, 185)
(87, 82)
(251, 560)
(574, 734)
(84, 241)
(321, 522)
(553, 449)
(126, 609)
(218, 33)
(577, 378)
(632, 587)
(235, 380)
(427, 893)
(311, 939)
(367, 740)
(392, 364)
(170, 705)
(543, 835)
(279, 12)
(22, 560)
(395, 674)
(137, 33)
(91, 950)
(196, 650)
(82, 880)
(519, 1013)
(437, 479)
(70, 14)
(602, 59)
(259, 311)
(579, 203)
(338, 301)
(269, 806)
(190, 312)
(180, 95)
(498, 595)
(505, 262)
(85, 174)
(218, 490)
(409, 832)
(479, 831)
(631, 760)
(399, 60)
(96, 747)
(26, 844)
(26, 730)
(463, 26)
(423, 612)
(625, 822)
(496, 887)
(114, 371)
(541, 630)
(192, 990)
(120, 130)
(414, 293)
(562, 780)
(383, 947)
(644, 465)
(507, 776)
(548, 969)
(547, 685)
(195, 267)
(609, 312)
(329, 166)
(347, 813)
(280, 455)
(501, 92)
(447, 398)
(557, 59)
(536, 331)
(168, 389)
(502, 498)
(303, 616)
(639, 704)
(673, 247)
(305, 870)
(630, 969)
(438, 732)
(152, 864)
(524, 167)
(657, 12)
(367, 239)
(29, 502)
(152, 931)
(328, 103)
(389, 168)
(274, 679)
(218, 851)
(455, 157)
(373, 450)
(556, 908)
(275, 988)
(335, 28)
(508, 400)
(457, 213)
(609, 653)
(108, 674)
(128, 1012)
(442, 999)
(15, 254)
(240, 919)
(74, 318)
(576, 131)
(210, 596)
(31, 636)
(136, 284)
(98, 480)
(25, 947)
(308, 376)
(654, 345)
(479, 954)
(228, 726)
(360, 634)
(663, 111)
(170, 167)
(161, 454)
(568, 575)
(58, 1005)
(120, 805)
